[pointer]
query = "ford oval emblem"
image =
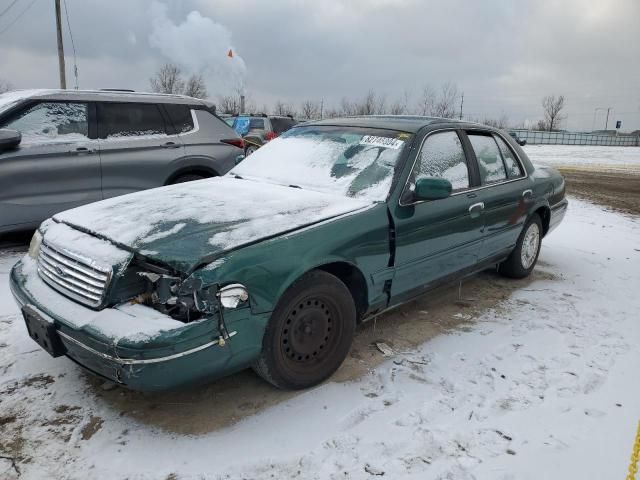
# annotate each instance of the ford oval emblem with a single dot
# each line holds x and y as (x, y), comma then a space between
(59, 271)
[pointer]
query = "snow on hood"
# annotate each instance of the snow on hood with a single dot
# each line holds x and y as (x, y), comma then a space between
(182, 223)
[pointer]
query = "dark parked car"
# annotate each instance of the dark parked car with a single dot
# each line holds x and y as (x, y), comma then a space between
(75, 147)
(259, 129)
(520, 142)
(274, 264)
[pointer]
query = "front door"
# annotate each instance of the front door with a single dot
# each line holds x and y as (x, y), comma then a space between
(436, 239)
(55, 167)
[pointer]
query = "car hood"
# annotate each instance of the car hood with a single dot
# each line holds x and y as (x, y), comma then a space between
(182, 225)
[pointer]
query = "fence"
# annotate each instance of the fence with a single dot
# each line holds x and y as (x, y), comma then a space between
(534, 137)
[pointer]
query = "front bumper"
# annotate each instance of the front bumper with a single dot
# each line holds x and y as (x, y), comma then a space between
(188, 354)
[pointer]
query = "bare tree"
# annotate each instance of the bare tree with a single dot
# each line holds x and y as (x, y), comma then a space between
(282, 108)
(167, 80)
(501, 122)
(310, 109)
(5, 86)
(552, 107)
(400, 105)
(228, 104)
(195, 87)
(446, 104)
(426, 105)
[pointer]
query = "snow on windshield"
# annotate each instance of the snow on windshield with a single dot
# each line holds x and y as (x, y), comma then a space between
(353, 162)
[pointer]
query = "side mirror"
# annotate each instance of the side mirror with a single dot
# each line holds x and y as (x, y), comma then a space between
(432, 188)
(9, 139)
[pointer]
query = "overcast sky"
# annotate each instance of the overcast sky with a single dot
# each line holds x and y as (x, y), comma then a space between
(504, 55)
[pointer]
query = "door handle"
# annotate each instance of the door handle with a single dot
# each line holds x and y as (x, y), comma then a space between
(170, 145)
(82, 151)
(476, 206)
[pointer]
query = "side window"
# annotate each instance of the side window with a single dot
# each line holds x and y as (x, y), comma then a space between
(442, 156)
(52, 122)
(489, 159)
(181, 117)
(514, 170)
(116, 120)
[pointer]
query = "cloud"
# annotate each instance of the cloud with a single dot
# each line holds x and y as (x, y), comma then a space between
(505, 56)
(198, 44)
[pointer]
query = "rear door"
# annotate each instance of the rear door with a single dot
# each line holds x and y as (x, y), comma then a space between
(504, 193)
(55, 167)
(440, 238)
(137, 147)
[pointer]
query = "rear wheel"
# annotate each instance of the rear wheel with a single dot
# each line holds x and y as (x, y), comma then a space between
(309, 333)
(525, 255)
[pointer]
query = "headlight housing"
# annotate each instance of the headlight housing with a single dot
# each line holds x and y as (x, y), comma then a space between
(34, 246)
(231, 296)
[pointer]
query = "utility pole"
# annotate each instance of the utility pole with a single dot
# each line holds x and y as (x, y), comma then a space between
(321, 108)
(63, 79)
(606, 124)
(461, 103)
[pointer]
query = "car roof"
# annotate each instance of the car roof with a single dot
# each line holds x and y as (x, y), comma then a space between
(109, 96)
(403, 123)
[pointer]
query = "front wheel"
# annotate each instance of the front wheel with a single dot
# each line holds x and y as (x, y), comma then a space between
(525, 255)
(309, 333)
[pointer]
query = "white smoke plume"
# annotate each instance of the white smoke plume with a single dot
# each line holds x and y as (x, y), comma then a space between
(198, 45)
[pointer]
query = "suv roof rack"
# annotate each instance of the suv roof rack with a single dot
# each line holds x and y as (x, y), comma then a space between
(127, 90)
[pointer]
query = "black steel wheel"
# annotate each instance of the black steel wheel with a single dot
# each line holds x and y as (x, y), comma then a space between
(309, 334)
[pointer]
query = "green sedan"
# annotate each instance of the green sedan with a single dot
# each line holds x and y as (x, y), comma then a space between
(273, 265)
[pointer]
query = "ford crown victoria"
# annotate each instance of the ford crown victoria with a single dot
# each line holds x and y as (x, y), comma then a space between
(273, 265)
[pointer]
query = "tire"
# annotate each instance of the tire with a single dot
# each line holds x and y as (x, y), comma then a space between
(309, 333)
(250, 149)
(190, 177)
(524, 256)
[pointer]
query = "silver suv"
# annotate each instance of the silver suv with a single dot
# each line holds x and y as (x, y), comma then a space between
(62, 148)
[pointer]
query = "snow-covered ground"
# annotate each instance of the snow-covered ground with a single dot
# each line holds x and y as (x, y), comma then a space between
(544, 385)
(613, 159)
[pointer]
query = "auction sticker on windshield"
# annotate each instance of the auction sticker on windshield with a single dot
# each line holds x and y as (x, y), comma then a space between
(385, 142)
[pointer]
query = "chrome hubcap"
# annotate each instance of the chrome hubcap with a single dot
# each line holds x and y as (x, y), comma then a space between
(530, 245)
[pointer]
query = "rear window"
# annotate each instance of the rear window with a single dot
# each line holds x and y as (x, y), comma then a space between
(181, 117)
(129, 119)
(242, 125)
(281, 125)
(490, 163)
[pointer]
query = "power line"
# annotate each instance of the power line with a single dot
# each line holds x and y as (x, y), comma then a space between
(18, 17)
(73, 45)
(8, 8)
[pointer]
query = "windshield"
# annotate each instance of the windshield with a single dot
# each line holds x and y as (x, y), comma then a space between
(349, 161)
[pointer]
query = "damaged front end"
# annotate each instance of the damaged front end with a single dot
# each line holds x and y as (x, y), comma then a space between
(191, 299)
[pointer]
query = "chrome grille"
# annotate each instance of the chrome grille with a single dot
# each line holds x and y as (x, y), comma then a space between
(72, 276)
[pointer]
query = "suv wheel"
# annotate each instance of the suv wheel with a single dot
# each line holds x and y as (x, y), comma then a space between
(190, 177)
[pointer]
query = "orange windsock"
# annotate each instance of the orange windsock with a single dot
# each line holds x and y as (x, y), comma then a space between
(230, 54)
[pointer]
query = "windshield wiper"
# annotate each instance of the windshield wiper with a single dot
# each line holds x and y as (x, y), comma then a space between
(295, 186)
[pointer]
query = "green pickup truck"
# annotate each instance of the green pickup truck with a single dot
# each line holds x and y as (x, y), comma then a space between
(273, 265)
